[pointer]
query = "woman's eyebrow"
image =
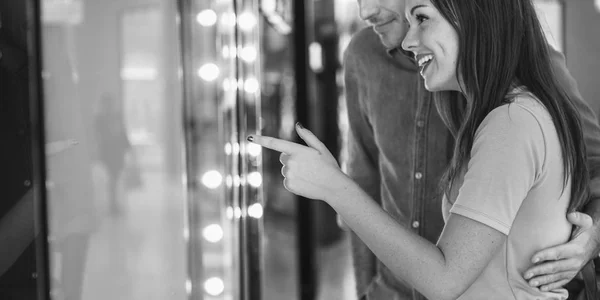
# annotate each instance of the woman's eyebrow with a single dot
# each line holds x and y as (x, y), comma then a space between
(412, 10)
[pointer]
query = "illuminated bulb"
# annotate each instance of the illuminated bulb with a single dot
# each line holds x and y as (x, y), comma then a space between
(268, 5)
(236, 148)
(251, 85)
(229, 181)
(237, 212)
(228, 19)
(255, 179)
(212, 179)
(184, 179)
(209, 72)
(254, 149)
(236, 180)
(188, 286)
(226, 87)
(207, 17)
(229, 212)
(214, 286)
(255, 210)
(247, 21)
(228, 148)
(225, 51)
(186, 234)
(248, 54)
(213, 233)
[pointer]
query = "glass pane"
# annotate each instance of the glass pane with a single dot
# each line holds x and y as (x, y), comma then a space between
(114, 147)
(278, 115)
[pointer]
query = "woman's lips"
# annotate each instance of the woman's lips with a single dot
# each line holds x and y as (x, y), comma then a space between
(424, 67)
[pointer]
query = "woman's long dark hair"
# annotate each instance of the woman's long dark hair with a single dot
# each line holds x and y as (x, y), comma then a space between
(501, 43)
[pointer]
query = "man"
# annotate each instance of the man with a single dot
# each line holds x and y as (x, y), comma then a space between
(398, 148)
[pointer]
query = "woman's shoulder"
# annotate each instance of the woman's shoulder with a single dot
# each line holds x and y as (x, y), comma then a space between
(522, 109)
(523, 98)
(522, 121)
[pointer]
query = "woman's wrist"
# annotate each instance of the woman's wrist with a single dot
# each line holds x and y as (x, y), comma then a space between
(341, 189)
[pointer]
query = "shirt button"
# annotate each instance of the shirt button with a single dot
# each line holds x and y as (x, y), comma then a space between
(418, 175)
(34, 275)
(27, 183)
(420, 123)
(415, 224)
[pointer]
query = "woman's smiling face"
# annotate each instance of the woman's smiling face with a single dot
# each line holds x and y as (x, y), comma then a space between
(434, 43)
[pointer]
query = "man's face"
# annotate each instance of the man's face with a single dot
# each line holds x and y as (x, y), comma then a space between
(387, 19)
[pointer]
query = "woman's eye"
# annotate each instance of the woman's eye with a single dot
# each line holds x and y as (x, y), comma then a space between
(421, 18)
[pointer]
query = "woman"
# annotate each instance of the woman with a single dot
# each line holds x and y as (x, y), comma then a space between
(518, 166)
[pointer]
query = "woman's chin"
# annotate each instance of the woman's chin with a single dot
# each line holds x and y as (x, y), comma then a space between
(432, 87)
(436, 87)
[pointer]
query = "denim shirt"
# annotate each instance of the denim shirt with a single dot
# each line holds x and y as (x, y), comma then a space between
(398, 148)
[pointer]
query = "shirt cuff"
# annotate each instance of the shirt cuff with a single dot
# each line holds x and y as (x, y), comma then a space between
(481, 218)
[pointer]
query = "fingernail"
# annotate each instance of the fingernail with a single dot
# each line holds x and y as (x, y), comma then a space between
(299, 125)
(536, 260)
(250, 138)
(528, 275)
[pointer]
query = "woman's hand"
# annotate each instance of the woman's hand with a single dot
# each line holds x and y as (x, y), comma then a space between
(310, 172)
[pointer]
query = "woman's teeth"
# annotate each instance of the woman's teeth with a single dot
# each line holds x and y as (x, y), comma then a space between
(424, 62)
(425, 59)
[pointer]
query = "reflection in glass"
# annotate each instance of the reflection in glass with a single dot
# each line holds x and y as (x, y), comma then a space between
(115, 198)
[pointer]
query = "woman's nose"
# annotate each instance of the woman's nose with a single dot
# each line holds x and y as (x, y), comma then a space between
(410, 41)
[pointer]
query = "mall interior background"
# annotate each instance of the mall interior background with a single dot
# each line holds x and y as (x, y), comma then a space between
(146, 107)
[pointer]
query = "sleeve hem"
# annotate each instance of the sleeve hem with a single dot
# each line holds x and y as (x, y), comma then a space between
(481, 218)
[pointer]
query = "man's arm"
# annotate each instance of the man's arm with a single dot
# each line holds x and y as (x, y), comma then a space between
(362, 165)
(558, 265)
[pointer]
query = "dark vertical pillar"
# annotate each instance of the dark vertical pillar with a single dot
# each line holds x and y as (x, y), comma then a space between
(326, 104)
(306, 241)
(36, 113)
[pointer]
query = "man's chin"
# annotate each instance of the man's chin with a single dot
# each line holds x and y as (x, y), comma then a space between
(388, 42)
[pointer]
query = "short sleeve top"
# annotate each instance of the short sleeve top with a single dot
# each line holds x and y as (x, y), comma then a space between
(514, 183)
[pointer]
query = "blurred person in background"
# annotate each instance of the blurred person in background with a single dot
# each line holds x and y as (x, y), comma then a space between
(398, 148)
(17, 233)
(113, 148)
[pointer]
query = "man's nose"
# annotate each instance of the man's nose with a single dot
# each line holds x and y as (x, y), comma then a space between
(368, 10)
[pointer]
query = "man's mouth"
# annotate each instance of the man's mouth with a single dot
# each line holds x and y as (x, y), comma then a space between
(379, 26)
(424, 61)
